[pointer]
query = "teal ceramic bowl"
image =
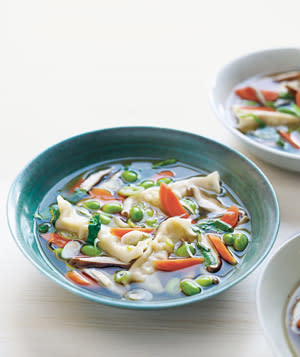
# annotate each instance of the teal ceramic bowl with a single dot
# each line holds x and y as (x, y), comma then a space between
(63, 159)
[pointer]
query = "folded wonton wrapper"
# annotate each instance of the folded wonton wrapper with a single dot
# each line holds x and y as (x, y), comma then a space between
(248, 123)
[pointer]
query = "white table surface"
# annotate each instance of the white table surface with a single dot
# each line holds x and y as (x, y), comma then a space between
(68, 67)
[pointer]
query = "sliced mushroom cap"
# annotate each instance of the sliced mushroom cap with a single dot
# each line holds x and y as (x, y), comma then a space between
(114, 183)
(97, 262)
(71, 249)
(243, 217)
(94, 178)
(293, 86)
(286, 76)
(217, 262)
(104, 279)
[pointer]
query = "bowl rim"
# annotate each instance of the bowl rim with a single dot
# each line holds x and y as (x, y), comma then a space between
(159, 304)
(221, 118)
(259, 287)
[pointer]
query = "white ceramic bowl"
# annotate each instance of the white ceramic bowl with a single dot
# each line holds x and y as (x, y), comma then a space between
(279, 278)
(261, 62)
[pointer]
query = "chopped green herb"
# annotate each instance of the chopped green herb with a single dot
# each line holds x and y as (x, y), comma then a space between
(54, 212)
(209, 259)
(214, 226)
(280, 142)
(93, 228)
(250, 103)
(77, 195)
(164, 163)
(271, 105)
(286, 95)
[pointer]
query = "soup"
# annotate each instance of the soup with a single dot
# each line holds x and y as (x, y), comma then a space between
(292, 321)
(143, 230)
(267, 110)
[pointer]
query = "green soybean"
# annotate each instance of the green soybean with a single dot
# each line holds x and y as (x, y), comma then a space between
(90, 250)
(206, 280)
(150, 212)
(113, 207)
(44, 227)
(147, 183)
(122, 277)
(189, 287)
(166, 180)
(95, 205)
(136, 214)
(129, 176)
(182, 251)
(228, 238)
(58, 252)
(104, 218)
(240, 242)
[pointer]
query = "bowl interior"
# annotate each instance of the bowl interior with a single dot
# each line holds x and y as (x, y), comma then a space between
(262, 62)
(279, 279)
(235, 170)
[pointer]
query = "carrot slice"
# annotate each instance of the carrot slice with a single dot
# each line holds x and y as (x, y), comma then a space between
(231, 216)
(170, 202)
(121, 231)
(222, 249)
(79, 278)
(161, 174)
(249, 93)
(266, 109)
(77, 185)
(56, 239)
(102, 194)
(287, 136)
(297, 98)
(176, 264)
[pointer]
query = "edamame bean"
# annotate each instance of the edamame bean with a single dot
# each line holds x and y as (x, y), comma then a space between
(206, 280)
(166, 180)
(147, 183)
(105, 219)
(228, 239)
(136, 214)
(44, 227)
(150, 212)
(182, 251)
(90, 250)
(129, 176)
(92, 205)
(189, 287)
(122, 277)
(113, 207)
(240, 242)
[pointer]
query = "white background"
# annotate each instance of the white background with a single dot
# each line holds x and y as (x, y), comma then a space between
(68, 67)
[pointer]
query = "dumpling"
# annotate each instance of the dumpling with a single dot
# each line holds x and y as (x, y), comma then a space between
(169, 232)
(188, 187)
(248, 123)
(130, 247)
(70, 221)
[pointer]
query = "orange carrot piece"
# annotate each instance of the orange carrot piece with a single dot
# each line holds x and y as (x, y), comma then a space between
(77, 185)
(102, 194)
(170, 202)
(298, 323)
(222, 249)
(121, 231)
(231, 216)
(79, 278)
(249, 93)
(176, 264)
(56, 239)
(297, 98)
(161, 174)
(287, 136)
(266, 109)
